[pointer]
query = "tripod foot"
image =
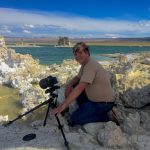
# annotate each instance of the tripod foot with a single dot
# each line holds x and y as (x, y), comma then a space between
(7, 124)
(67, 145)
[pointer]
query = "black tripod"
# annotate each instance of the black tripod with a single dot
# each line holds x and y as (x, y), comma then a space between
(51, 104)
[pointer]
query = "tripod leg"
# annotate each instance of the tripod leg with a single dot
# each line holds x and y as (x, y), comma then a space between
(60, 127)
(46, 114)
(20, 116)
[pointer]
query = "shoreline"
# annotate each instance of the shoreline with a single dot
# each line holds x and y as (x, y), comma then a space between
(90, 44)
(9, 46)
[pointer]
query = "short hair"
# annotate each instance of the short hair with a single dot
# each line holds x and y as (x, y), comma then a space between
(81, 45)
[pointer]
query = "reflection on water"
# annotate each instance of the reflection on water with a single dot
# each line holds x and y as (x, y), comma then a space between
(10, 105)
(38, 114)
(9, 102)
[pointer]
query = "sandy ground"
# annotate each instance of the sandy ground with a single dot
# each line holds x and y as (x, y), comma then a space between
(47, 138)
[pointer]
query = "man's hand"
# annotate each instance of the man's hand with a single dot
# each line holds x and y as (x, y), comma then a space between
(71, 97)
(68, 90)
(59, 109)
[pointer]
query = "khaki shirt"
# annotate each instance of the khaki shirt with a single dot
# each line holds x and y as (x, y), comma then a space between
(99, 88)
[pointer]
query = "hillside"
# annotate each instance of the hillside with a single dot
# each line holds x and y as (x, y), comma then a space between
(145, 41)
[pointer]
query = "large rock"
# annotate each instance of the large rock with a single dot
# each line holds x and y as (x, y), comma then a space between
(93, 128)
(2, 42)
(133, 81)
(145, 119)
(137, 97)
(131, 123)
(5, 69)
(112, 136)
(141, 142)
(3, 119)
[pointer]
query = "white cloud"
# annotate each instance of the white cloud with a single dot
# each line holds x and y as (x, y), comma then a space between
(72, 23)
(8, 31)
(27, 31)
(29, 25)
(5, 29)
(110, 35)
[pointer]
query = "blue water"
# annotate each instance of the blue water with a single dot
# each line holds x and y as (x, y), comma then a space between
(49, 54)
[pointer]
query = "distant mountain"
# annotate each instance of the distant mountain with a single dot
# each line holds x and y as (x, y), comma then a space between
(146, 39)
(42, 40)
(54, 40)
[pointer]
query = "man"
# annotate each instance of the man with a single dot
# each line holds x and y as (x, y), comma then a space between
(92, 89)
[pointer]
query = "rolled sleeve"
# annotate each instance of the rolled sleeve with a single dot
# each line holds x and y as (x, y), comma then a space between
(88, 74)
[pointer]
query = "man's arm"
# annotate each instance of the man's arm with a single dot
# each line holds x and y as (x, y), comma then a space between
(71, 97)
(74, 81)
(71, 85)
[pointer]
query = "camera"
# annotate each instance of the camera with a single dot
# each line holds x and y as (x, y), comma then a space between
(48, 82)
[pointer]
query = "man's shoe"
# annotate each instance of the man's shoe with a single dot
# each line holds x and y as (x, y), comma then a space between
(113, 117)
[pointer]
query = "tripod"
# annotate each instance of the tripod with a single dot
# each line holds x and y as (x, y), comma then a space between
(51, 104)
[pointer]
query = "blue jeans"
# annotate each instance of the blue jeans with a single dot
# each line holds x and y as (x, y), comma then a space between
(90, 111)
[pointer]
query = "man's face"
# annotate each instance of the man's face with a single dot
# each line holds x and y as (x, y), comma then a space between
(81, 56)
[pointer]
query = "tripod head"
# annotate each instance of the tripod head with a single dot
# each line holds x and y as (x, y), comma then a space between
(49, 83)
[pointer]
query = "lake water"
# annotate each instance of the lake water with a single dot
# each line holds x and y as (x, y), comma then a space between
(49, 54)
(9, 104)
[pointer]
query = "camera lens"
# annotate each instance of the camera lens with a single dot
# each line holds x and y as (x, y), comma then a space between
(43, 84)
(48, 82)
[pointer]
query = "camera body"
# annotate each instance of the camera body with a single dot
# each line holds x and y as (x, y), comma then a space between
(48, 82)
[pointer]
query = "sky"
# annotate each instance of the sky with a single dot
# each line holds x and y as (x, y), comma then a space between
(75, 18)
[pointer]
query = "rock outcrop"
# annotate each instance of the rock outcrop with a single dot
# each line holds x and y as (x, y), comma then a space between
(130, 78)
(2, 42)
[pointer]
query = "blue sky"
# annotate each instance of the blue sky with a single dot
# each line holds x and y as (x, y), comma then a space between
(75, 18)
